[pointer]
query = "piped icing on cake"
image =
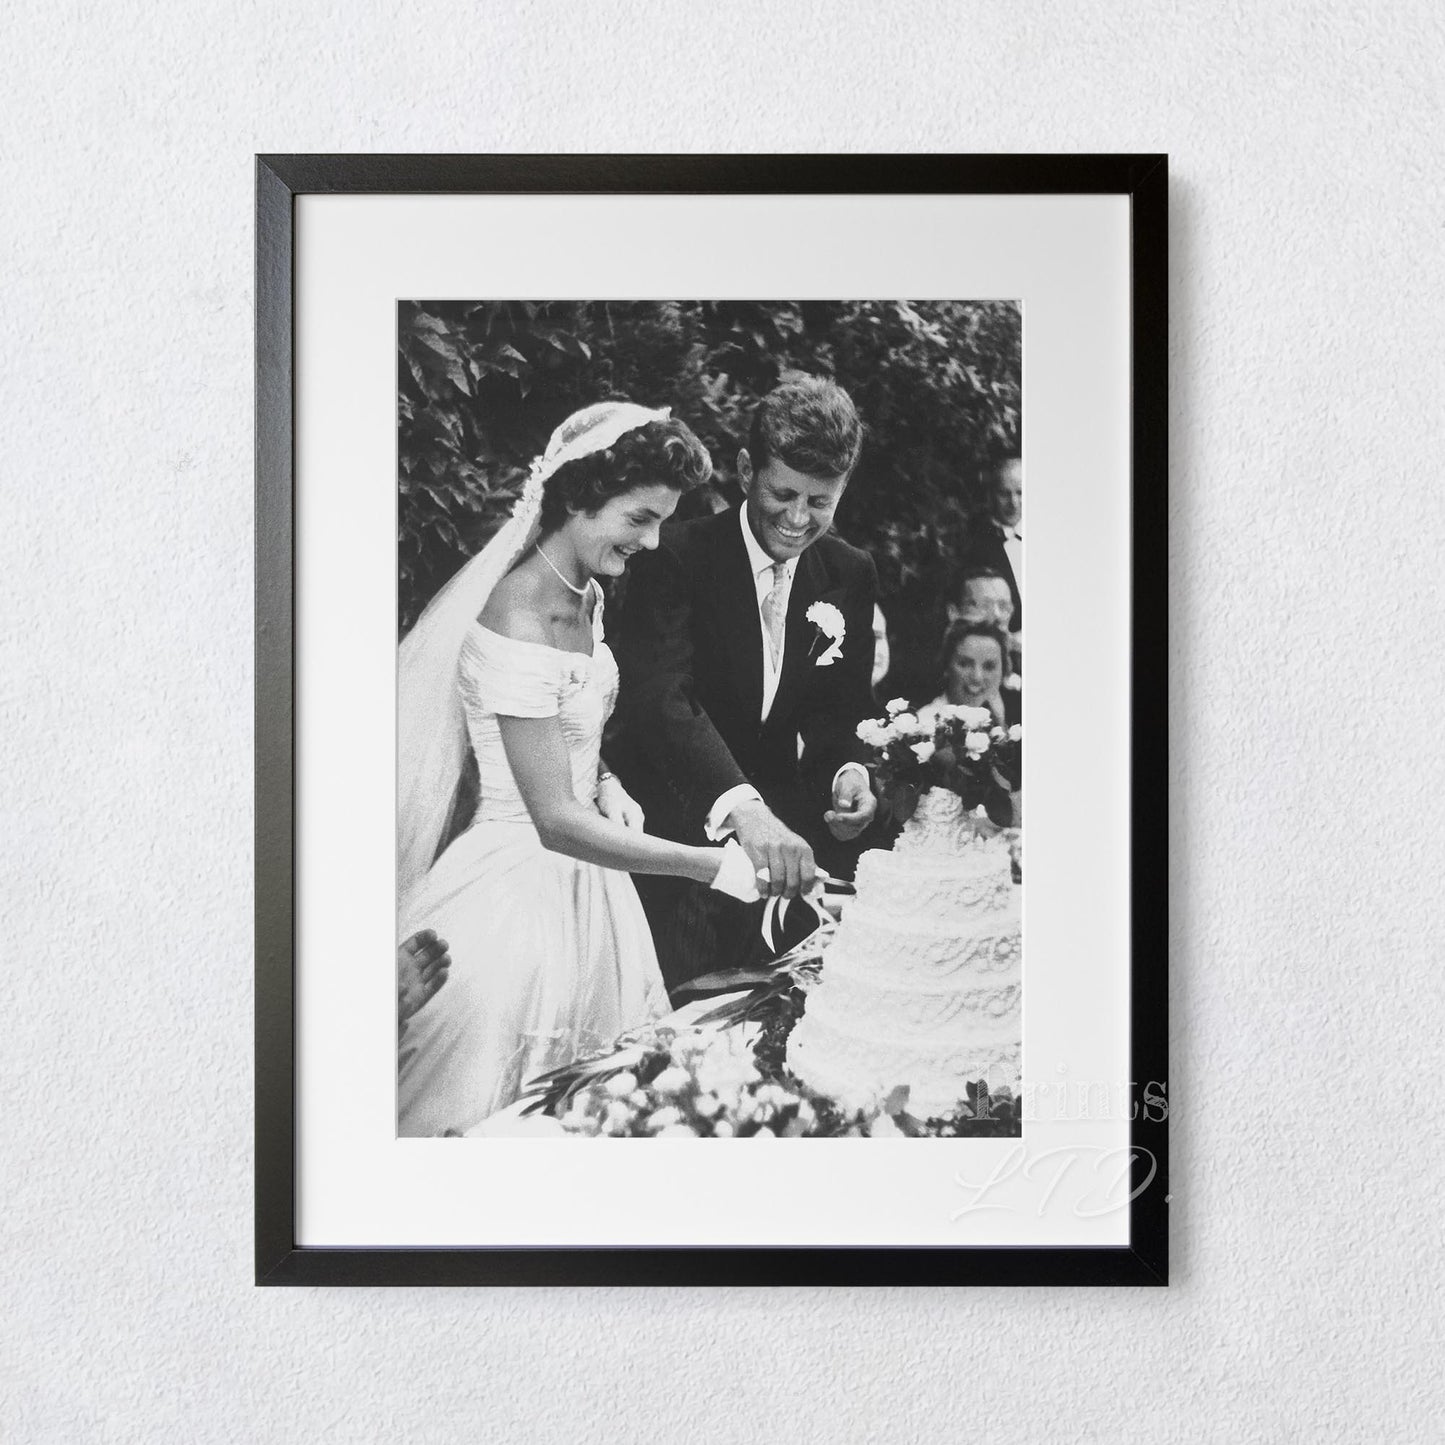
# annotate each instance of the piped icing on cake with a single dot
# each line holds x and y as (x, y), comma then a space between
(921, 984)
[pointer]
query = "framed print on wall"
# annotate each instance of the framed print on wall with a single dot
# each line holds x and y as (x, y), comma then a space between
(640, 538)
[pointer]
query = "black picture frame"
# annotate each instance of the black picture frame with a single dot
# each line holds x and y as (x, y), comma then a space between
(280, 179)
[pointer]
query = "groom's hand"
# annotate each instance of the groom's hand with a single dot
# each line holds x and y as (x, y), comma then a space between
(774, 849)
(854, 805)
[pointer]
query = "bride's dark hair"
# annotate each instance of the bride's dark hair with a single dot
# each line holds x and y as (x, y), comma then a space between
(662, 453)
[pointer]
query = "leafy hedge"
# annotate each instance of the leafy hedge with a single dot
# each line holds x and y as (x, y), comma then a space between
(482, 384)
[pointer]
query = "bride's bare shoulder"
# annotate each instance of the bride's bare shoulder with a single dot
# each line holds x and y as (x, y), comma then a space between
(512, 610)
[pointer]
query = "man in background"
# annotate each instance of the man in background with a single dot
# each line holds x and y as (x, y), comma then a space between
(998, 542)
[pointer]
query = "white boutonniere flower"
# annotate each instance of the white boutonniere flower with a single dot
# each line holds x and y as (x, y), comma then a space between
(829, 622)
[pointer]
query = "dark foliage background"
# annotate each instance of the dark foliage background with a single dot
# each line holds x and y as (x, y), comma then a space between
(937, 383)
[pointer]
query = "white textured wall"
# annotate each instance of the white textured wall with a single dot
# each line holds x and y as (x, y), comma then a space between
(1307, 475)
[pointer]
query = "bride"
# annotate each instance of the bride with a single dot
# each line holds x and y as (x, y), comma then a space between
(551, 953)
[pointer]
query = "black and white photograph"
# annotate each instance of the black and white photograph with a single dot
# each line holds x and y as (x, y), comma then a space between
(710, 718)
(657, 645)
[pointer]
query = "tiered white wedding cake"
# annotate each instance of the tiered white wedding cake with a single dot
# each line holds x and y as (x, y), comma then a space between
(920, 986)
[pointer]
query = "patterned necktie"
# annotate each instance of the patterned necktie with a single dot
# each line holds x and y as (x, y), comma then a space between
(775, 610)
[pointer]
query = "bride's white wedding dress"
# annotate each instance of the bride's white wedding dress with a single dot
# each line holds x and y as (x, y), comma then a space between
(551, 957)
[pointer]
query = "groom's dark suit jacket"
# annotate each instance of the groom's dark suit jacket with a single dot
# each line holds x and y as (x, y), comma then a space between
(690, 649)
(689, 646)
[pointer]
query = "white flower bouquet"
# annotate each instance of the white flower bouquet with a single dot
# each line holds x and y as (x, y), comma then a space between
(961, 749)
(681, 1084)
(727, 1082)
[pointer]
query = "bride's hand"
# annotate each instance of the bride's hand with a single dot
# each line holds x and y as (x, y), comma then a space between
(735, 874)
(617, 805)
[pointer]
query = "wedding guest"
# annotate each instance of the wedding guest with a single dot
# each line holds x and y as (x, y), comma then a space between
(882, 656)
(973, 663)
(982, 595)
(997, 541)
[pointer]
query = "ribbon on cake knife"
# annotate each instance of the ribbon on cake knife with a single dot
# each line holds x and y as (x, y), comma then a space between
(775, 914)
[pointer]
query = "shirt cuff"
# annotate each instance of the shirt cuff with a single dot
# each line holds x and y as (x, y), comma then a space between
(851, 768)
(743, 793)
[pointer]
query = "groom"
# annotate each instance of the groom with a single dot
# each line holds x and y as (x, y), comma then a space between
(745, 644)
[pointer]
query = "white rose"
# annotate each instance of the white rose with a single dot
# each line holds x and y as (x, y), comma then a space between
(724, 1071)
(972, 718)
(1016, 733)
(763, 1133)
(620, 1085)
(672, 1081)
(905, 722)
(617, 1119)
(871, 733)
(662, 1118)
(707, 1105)
(923, 751)
(977, 744)
(722, 1130)
(688, 1046)
(677, 1131)
(721, 1090)
(577, 1118)
(898, 705)
(859, 1101)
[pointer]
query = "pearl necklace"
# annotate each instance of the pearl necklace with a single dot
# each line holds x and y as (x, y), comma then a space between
(580, 591)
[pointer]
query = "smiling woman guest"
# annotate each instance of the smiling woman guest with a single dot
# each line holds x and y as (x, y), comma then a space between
(551, 954)
(973, 661)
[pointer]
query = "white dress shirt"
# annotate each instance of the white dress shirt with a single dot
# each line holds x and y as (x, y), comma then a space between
(1013, 549)
(763, 581)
